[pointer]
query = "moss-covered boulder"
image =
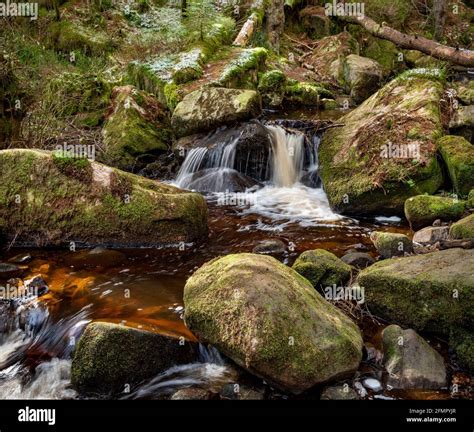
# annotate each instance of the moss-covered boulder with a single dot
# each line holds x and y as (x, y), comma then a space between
(463, 229)
(458, 155)
(242, 71)
(57, 198)
(111, 358)
(277, 89)
(362, 76)
(410, 361)
(431, 292)
(322, 268)
(386, 150)
(423, 210)
(271, 321)
(385, 53)
(390, 244)
(136, 125)
(208, 108)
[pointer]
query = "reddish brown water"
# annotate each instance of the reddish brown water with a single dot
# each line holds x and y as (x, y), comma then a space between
(144, 288)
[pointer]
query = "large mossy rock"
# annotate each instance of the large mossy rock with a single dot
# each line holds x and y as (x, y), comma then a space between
(109, 357)
(410, 361)
(423, 210)
(208, 108)
(431, 292)
(386, 150)
(362, 76)
(322, 268)
(463, 229)
(51, 199)
(458, 155)
(136, 125)
(271, 321)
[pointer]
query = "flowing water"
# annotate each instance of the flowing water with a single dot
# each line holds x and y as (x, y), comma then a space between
(144, 288)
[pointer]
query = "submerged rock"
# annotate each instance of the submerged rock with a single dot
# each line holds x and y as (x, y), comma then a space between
(58, 199)
(322, 268)
(423, 210)
(463, 229)
(270, 247)
(271, 321)
(410, 362)
(458, 155)
(389, 244)
(8, 270)
(208, 108)
(386, 150)
(362, 76)
(136, 125)
(431, 292)
(109, 357)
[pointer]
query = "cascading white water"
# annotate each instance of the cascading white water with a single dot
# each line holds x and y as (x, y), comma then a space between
(287, 156)
(208, 170)
(284, 197)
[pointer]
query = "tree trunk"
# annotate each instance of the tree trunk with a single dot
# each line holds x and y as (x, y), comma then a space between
(184, 7)
(434, 49)
(439, 17)
(250, 27)
(275, 14)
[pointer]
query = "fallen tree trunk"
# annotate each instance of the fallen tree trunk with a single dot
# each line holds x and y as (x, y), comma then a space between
(250, 27)
(434, 49)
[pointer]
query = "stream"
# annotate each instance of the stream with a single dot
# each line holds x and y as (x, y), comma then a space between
(143, 288)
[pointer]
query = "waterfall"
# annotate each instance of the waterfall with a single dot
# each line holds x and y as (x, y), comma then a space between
(209, 170)
(214, 169)
(287, 156)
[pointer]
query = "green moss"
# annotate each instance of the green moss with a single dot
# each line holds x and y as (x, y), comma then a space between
(357, 176)
(131, 130)
(423, 210)
(53, 204)
(68, 36)
(463, 229)
(110, 356)
(391, 244)
(424, 73)
(78, 168)
(458, 155)
(430, 292)
(462, 340)
(322, 268)
(243, 305)
(272, 81)
(305, 93)
(242, 72)
(172, 96)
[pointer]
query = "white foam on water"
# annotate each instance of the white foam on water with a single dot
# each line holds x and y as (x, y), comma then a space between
(51, 381)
